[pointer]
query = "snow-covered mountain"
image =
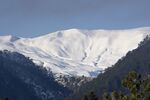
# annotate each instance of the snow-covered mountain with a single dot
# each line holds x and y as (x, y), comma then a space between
(77, 52)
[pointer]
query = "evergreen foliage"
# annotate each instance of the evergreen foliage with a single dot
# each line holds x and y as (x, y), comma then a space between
(138, 88)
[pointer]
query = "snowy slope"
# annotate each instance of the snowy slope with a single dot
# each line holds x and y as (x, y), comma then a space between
(77, 52)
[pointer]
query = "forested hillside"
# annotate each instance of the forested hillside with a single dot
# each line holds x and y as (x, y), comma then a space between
(20, 79)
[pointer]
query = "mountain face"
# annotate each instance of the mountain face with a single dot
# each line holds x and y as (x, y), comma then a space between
(137, 60)
(21, 79)
(76, 52)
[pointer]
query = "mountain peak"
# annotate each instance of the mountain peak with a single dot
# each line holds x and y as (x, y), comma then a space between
(77, 52)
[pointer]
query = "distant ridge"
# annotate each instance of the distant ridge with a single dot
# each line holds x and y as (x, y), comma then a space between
(77, 52)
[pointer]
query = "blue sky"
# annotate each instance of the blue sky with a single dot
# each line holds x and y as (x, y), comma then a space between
(30, 18)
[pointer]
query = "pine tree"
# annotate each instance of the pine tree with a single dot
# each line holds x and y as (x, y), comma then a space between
(138, 86)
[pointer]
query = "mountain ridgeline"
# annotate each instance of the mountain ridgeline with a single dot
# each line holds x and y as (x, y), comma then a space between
(137, 60)
(21, 79)
(77, 52)
(52, 67)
